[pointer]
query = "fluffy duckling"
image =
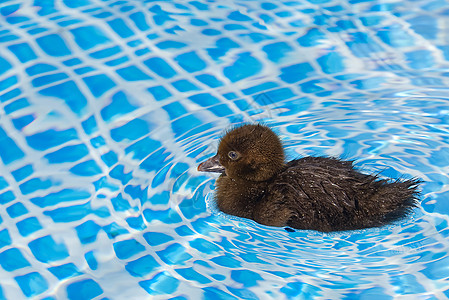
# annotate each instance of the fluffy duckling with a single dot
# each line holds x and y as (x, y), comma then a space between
(318, 193)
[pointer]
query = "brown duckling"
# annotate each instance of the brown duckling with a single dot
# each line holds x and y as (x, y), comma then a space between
(317, 193)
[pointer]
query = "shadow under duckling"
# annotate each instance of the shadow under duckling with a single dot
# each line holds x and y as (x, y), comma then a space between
(318, 193)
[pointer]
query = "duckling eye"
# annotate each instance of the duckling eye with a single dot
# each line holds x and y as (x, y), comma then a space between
(233, 155)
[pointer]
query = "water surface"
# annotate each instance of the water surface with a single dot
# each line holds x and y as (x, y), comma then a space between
(107, 107)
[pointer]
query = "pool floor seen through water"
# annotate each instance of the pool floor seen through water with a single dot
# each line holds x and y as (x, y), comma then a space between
(107, 107)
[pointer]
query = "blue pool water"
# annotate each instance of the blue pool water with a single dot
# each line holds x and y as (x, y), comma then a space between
(107, 107)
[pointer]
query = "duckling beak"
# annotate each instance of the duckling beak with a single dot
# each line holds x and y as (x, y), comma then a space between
(211, 165)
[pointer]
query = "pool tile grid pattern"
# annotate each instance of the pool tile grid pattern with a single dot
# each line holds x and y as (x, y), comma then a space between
(107, 106)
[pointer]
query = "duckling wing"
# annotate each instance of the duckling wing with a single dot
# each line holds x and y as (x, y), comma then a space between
(329, 181)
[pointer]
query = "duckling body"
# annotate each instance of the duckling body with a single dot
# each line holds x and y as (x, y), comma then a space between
(318, 193)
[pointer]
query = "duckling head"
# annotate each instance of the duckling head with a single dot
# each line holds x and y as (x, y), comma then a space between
(250, 152)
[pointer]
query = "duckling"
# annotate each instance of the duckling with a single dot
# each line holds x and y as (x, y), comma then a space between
(316, 193)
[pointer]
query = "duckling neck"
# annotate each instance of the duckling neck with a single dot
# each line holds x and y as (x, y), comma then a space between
(239, 197)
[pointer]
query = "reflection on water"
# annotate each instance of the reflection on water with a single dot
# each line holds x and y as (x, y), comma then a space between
(108, 106)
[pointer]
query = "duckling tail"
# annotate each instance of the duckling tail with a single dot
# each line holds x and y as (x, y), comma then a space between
(392, 200)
